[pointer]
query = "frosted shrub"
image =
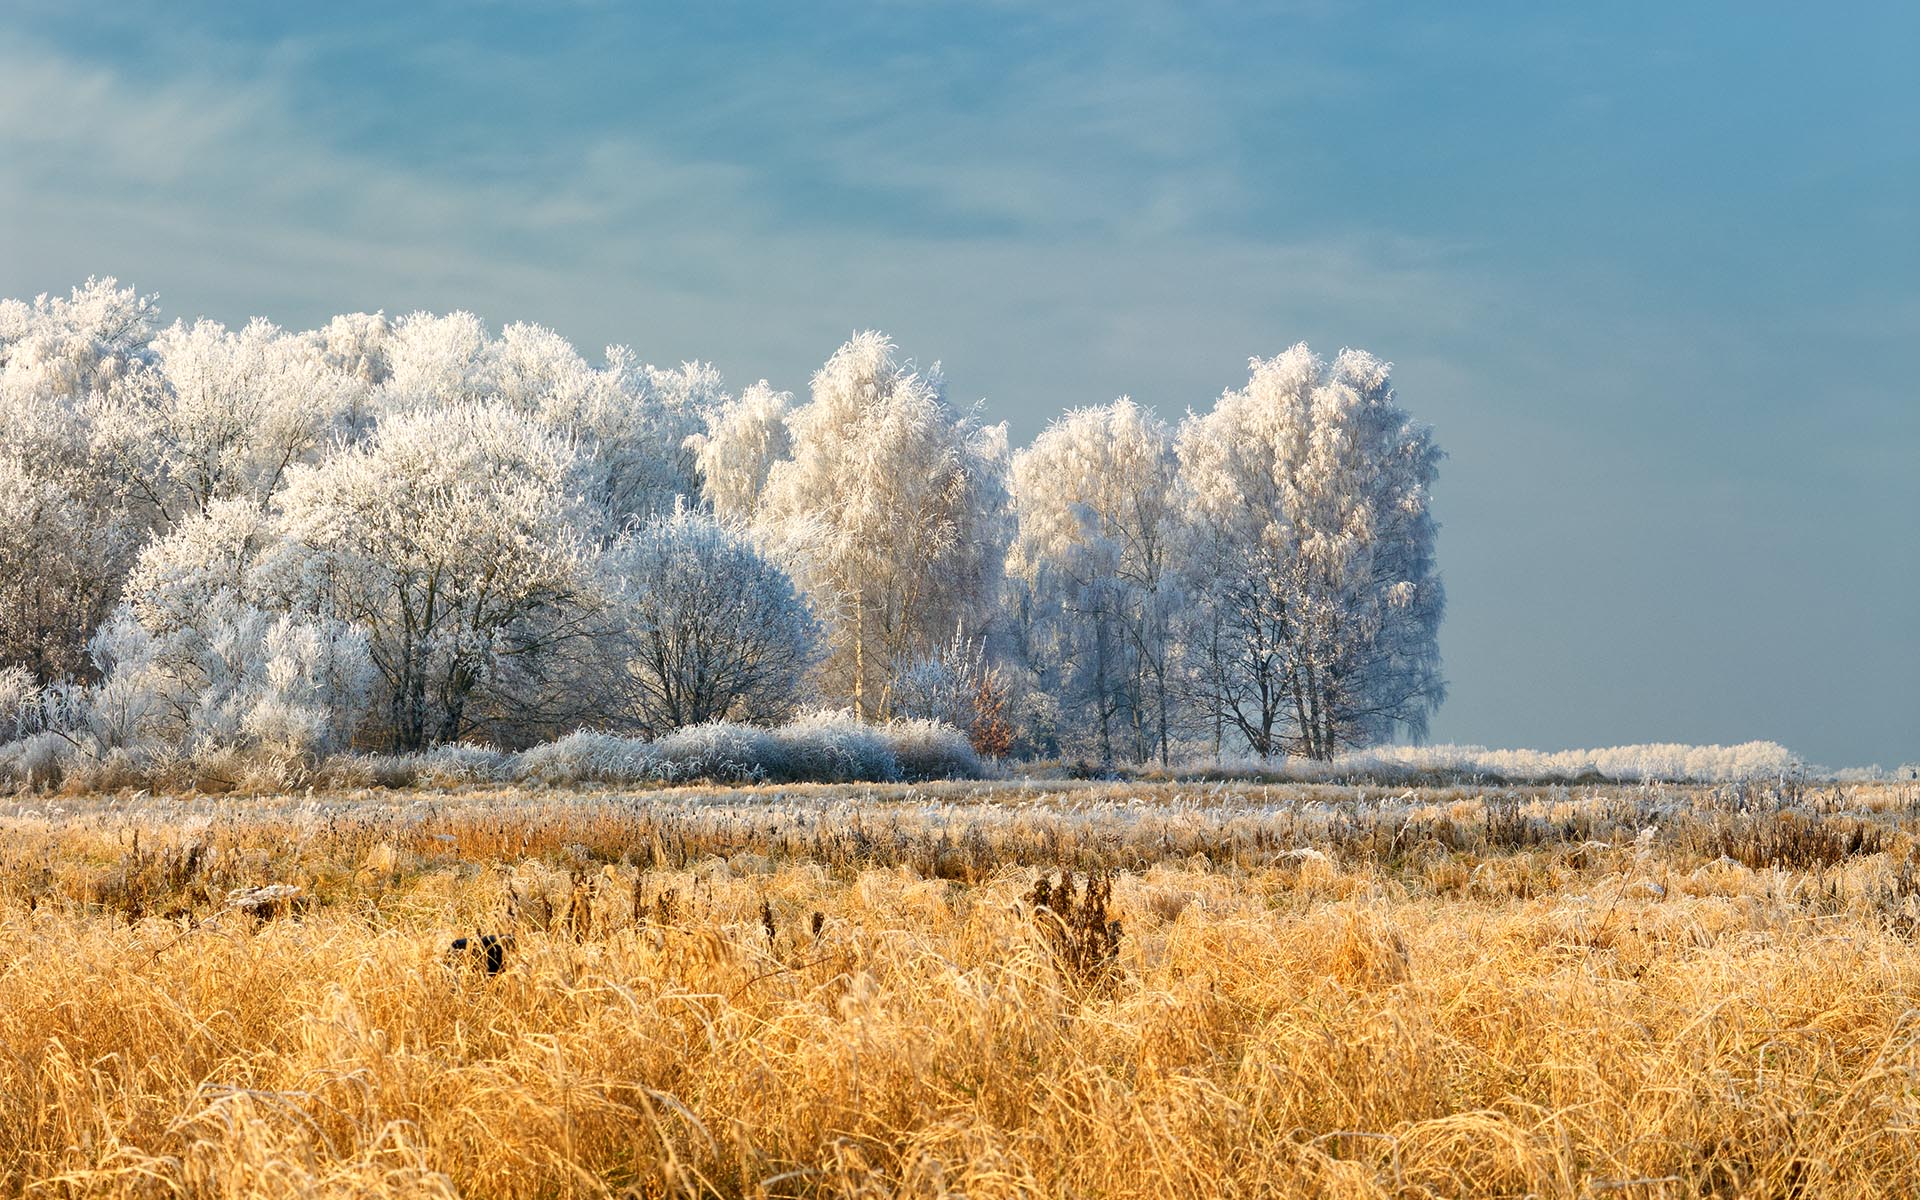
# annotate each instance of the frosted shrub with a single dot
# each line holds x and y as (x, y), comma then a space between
(314, 684)
(19, 702)
(1626, 764)
(838, 747)
(375, 770)
(720, 751)
(463, 762)
(584, 756)
(120, 711)
(959, 687)
(33, 761)
(212, 647)
(832, 747)
(235, 676)
(932, 750)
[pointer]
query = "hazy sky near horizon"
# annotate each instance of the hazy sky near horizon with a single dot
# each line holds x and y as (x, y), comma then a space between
(1652, 271)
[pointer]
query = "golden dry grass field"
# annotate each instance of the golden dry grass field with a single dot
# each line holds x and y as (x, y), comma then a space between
(810, 991)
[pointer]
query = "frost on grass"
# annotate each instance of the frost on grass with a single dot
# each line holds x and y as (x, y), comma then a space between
(1669, 762)
(1005, 989)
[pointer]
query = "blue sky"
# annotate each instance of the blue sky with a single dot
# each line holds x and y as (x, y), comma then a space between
(1651, 270)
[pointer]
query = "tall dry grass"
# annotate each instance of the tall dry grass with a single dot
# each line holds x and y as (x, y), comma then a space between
(858, 991)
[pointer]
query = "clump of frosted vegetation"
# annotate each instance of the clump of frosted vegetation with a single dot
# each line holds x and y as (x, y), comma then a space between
(822, 747)
(19, 696)
(36, 761)
(1661, 762)
(837, 747)
(932, 750)
(819, 747)
(584, 756)
(462, 762)
(718, 750)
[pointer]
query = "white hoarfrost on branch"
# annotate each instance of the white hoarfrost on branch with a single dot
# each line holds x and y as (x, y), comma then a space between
(743, 439)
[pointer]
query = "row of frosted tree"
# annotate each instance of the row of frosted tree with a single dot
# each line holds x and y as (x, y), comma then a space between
(392, 533)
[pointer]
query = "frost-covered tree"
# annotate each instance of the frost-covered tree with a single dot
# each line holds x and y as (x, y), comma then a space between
(231, 411)
(208, 650)
(77, 346)
(743, 439)
(682, 399)
(454, 537)
(714, 630)
(630, 430)
(355, 344)
(62, 563)
(630, 421)
(1319, 602)
(72, 516)
(433, 359)
(890, 513)
(1100, 525)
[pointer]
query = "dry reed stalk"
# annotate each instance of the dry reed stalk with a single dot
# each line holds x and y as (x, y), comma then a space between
(847, 992)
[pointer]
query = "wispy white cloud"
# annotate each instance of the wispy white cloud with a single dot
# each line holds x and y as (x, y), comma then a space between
(222, 190)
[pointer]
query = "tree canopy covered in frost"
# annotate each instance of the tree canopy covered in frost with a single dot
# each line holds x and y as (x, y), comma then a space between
(715, 630)
(1317, 602)
(77, 509)
(1101, 521)
(400, 532)
(226, 414)
(453, 537)
(736, 452)
(890, 512)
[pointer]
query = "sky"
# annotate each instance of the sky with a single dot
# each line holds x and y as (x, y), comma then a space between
(1651, 271)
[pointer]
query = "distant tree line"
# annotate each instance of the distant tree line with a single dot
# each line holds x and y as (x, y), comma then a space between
(395, 533)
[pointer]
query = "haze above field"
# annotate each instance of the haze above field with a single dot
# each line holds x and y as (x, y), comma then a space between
(1650, 274)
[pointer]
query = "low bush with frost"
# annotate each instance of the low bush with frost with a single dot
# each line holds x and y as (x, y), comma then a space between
(933, 750)
(583, 756)
(60, 748)
(36, 761)
(1657, 762)
(721, 751)
(837, 747)
(19, 697)
(462, 762)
